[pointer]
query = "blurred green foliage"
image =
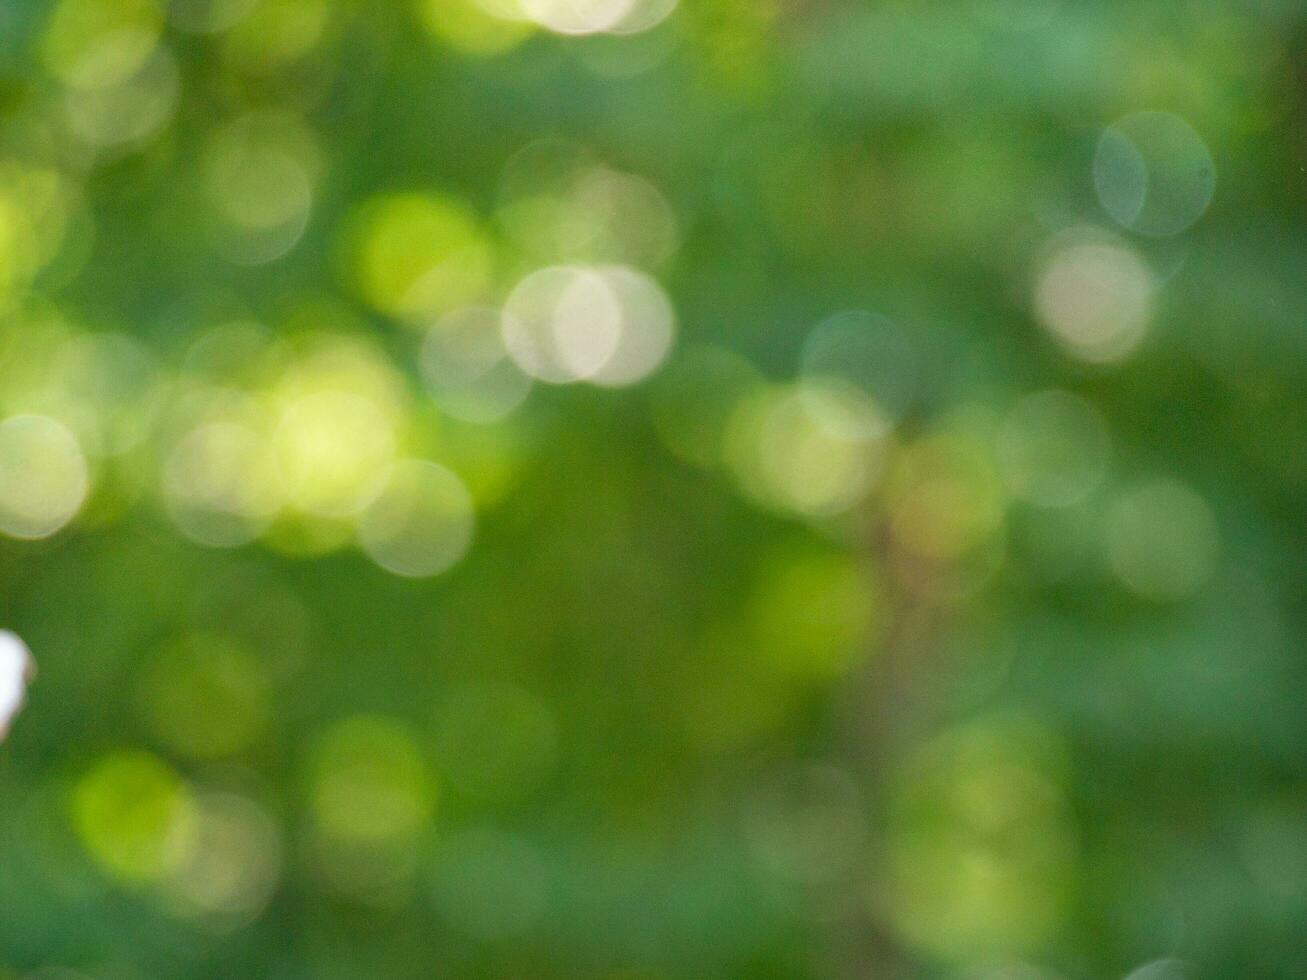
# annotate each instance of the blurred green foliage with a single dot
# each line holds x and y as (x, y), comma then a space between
(604, 488)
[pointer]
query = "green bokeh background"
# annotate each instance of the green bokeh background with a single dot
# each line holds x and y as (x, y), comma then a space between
(674, 712)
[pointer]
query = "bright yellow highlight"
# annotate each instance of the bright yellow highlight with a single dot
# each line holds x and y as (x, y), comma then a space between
(981, 844)
(277, 33)
(480, 27)
(337, 409)
(812, 611)
(134, 815)
(812, 449)
(43, 476)
(99, 43)
(418, 255)
(370, 784)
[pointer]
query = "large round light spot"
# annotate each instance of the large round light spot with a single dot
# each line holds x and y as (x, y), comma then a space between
(418, 255)
(258, 175)
(421, 523)
(134, 815)
(945, 496)
(648, 328)
(276, 33)
(868, 352)
(482, 27)
(1153, 173)
(219, 484)
(559, 205)
(129, 112)
(332, 450)
(467, 368)
(562, 324)
(813, 449)
(208, 16)
(578, 16)
(1162, 540)
(370, 783)
(43, 478)
(1053, 448)
(230, 874)
(1095, 298)
(980, 844)
(811, 612)
(98, 43)
(108, 390)
(644, 15)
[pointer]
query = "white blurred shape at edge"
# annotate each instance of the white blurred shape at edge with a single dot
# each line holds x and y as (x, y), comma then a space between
(16, 671)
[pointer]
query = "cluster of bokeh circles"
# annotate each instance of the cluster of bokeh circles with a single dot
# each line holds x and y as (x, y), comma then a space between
(388, 411)
(306, 435)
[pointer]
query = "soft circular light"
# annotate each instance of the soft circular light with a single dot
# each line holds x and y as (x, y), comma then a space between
(38, 208)
(129, 112)
(1095, 298)
(258, 174)
(208, 16)
(946, 498)
(562, 324)
(1053, 448)
(134, 815)
(483, 27)
(421, 523)
(276, 33)
(332, 451)
(370, 783)
(93, 44)
(233, 868)
(578, 16)
(811, 611)
(611, 325)
(110, 389)
(980, 843)
(418, 255)
(467, 368)
(1153, 173)
(868, 352)
(559, 205)
(644, 15)
(648, 328)
(219, 484)
(43, 476)
(1162, 540)
(789, 456)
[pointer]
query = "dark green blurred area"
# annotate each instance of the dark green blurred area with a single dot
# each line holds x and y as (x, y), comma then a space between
(871, 548)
